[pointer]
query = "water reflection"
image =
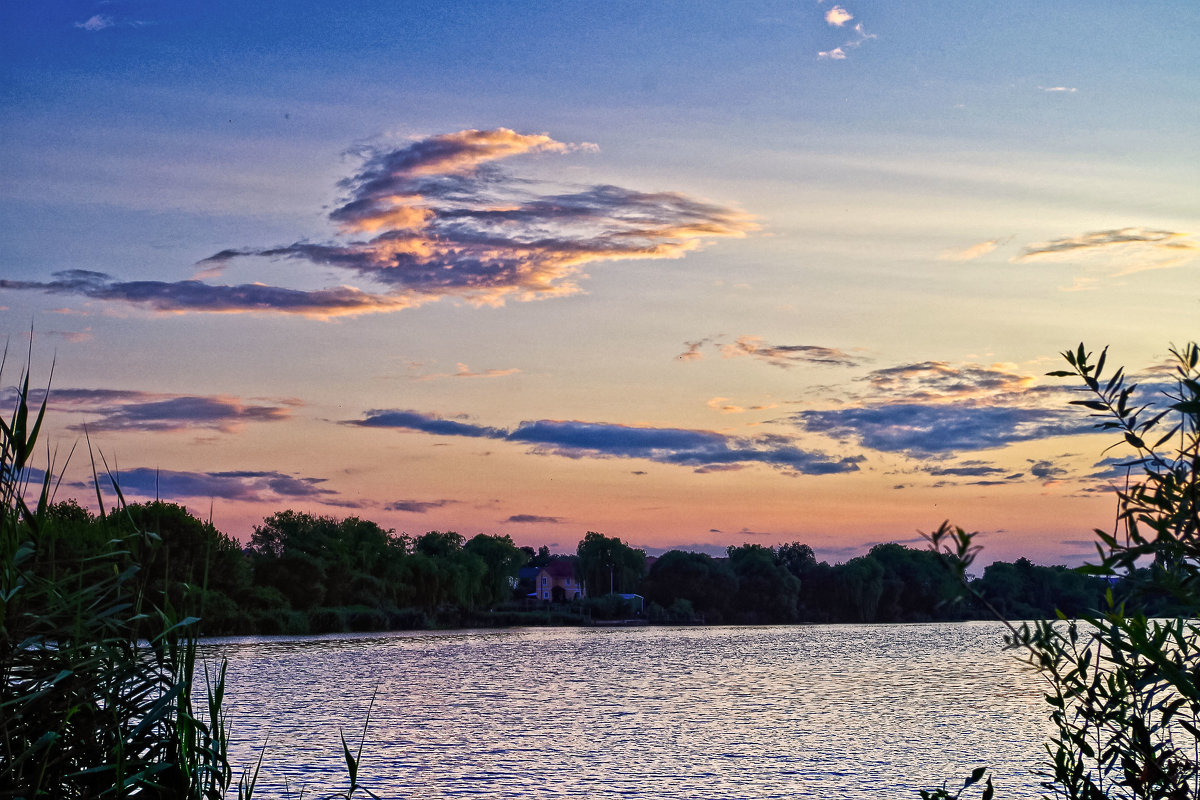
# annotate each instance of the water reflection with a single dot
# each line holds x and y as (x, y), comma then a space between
(814, 711)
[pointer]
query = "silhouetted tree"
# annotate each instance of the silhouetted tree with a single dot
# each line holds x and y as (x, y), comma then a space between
(766, 590)
(916, 587)
(501, 559)
(293, 552)
(608, 564)
(707, 585)
(860, 586)
(200, 569)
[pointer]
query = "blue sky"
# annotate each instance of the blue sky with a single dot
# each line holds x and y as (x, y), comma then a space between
(684, 273)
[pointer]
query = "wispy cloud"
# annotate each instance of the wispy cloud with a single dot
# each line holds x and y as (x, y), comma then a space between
(935, 408)
(1116, 252)
(1066, 89)
(102, 22)
(723, 405)
(535, 518)
(155, 412)
(418, 506)
(1047, 471)
(788, 355)
(96, 22)
(779, 355)
(757, 534)
(973, 251)
(837, 17)
(717, 550)
(196, 296)
(693, 352)
(700, 449)
(972, 469)
(981, 482)
(437, 218)
(463, 371)
(427, 423)
(75, 337)
(941, 380)
(1107, 240)
(1117, 470)
(121, 410)
(984, 473)
(861, 36)
(246, 486)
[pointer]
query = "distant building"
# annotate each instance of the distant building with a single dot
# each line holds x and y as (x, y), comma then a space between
(636, 602)
(556, 582)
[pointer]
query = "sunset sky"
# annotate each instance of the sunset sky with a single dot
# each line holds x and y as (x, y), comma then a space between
(687, 273)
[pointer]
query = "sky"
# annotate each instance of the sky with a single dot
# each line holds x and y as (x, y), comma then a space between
(692, 274)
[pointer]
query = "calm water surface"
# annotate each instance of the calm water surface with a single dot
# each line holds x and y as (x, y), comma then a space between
(837, 711)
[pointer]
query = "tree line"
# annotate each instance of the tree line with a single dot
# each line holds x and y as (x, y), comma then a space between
(302, 573)
(98, 637)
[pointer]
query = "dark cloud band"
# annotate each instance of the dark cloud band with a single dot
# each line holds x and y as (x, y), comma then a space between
(938, 428)
(249, 486)
(187, 296)
(703, 450)
(131, 410)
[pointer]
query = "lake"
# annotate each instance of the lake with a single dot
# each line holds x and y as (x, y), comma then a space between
(821, 711)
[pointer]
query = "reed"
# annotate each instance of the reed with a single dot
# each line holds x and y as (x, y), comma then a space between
(99, 694)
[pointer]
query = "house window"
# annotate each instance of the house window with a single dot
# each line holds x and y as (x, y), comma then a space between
(545, 580)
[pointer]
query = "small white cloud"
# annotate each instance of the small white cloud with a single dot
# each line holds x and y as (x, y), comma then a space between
(97, 22)
(863, 35)
(838, 16)
(1070, 89)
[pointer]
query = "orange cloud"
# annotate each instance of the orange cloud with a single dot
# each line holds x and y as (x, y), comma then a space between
(444, 220)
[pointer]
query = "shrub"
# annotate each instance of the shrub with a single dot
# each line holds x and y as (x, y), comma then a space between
(1124, 690)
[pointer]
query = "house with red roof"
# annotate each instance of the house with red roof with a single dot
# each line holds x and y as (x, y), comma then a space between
(556, 582)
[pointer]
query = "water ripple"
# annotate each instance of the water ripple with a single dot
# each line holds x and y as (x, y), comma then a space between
(812, 711)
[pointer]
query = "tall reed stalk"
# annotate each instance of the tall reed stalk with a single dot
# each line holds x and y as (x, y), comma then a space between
(98, 689)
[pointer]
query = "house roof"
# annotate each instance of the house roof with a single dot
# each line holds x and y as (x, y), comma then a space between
(560, 568)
